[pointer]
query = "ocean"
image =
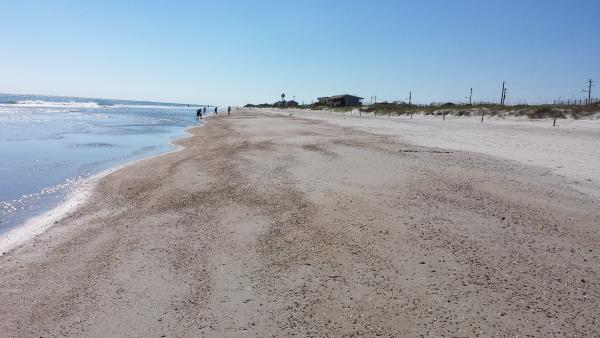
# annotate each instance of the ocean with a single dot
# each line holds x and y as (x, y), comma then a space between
(50, 145)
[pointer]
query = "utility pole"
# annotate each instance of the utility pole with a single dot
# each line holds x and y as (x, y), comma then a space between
(590, 92)
(375, 99)
(409, 103)
(470, 96)
(502, 96)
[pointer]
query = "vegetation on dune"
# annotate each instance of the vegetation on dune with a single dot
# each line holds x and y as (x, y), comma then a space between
(489, 109)
(453, 109)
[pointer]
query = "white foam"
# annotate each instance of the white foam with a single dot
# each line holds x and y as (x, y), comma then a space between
(54, 104)
(141, 106)
(37, 225)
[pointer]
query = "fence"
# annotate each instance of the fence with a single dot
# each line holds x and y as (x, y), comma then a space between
(575, 102)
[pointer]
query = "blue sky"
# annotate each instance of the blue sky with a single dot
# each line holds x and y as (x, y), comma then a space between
(234, 52)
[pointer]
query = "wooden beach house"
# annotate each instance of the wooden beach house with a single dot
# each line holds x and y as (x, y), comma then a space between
(341, 100)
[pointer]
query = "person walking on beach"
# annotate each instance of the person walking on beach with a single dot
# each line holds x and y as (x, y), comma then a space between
(229, 110)
(215, 111)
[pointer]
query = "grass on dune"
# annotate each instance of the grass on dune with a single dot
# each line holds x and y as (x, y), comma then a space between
(489, 109)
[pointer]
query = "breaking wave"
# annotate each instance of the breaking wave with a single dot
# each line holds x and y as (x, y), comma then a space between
(54, 104)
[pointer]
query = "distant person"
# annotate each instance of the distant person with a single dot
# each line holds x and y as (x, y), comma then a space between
(215, 111)
(228, 110)
(199, 114)
(204, 110)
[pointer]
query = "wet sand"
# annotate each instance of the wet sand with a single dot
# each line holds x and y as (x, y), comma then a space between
(274, 225)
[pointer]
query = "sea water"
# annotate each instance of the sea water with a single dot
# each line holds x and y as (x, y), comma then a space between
(50, 145)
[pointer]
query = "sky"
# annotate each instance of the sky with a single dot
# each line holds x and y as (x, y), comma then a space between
(237, 52)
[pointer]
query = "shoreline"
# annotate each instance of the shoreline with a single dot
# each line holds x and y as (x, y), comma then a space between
(37, 225)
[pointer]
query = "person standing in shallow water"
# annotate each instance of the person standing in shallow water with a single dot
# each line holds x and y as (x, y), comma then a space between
(204, 110)
(199, 114)
(229, 110)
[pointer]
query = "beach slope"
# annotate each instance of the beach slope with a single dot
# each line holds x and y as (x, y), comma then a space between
(268, 225)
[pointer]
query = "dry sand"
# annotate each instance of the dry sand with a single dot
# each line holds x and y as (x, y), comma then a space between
(570, 149)
(274, 225)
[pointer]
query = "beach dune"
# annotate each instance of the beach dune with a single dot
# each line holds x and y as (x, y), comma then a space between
(273, 225)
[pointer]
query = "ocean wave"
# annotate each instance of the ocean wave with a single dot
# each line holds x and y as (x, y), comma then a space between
(142, 106)
(54, 104)
(94, 145)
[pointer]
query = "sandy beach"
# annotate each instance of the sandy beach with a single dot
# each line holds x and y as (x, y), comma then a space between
(280, 224)
(569, 150)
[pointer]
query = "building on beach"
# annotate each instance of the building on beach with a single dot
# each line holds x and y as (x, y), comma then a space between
(322, 100)
(340, 100)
